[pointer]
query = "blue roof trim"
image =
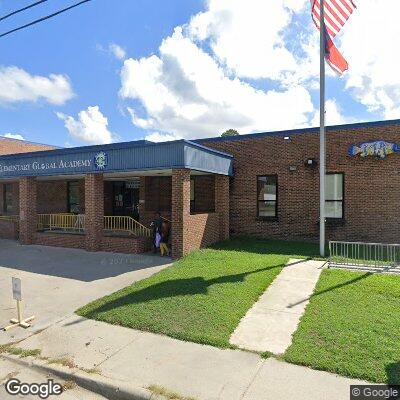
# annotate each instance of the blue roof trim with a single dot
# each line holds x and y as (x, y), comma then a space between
(300, 131)
(75, 150)
(117, 157)
(212, 151)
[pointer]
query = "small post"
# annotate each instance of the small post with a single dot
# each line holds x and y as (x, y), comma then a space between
(17, 295)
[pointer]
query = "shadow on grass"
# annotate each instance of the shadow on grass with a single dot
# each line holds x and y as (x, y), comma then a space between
(269, 246)
(172, 288)
(393, 373)
(349, 282)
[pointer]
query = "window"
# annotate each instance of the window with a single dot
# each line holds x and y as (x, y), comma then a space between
(267, 196)
(334, 184)
(7, 198)
(73, 197)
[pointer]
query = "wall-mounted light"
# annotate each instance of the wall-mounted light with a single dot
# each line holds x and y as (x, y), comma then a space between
(311, 162)
(292, 168)
(287, 139)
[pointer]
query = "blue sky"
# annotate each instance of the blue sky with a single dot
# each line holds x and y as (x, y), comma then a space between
(182, 68)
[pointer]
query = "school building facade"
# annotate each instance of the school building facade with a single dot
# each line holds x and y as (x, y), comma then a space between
(265, 185)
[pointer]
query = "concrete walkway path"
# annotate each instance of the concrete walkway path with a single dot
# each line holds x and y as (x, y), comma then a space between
(56, 281)
(271, 322)
(203, 372)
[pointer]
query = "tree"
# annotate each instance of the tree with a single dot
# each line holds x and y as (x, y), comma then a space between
(230, 132)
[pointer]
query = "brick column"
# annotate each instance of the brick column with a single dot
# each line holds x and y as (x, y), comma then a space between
(142, 198)
(27, 210)
(180, 211)
(222, 204)
(94, 211)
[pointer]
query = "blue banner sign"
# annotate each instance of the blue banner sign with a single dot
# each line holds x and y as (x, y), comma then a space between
(379, 149)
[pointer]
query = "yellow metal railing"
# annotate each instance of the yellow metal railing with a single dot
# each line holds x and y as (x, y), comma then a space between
(125, 224)
(13, 218)
(63, 222)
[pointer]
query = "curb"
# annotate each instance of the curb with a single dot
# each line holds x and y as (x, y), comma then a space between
(97, 384)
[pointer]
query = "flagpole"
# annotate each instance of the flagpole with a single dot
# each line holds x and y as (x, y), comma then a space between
(322, 134)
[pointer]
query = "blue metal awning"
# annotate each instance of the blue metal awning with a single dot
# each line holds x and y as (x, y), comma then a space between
(117, 157)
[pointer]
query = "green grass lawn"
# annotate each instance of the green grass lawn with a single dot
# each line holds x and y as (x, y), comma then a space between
(202, 297)
(352, 327)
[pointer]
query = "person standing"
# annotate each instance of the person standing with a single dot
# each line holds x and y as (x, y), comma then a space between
(164, 238)
(156, 225)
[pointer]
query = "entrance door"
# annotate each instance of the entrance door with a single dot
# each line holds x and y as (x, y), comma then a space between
(126, 200)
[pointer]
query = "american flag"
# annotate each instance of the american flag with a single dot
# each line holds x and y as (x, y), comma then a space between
(336, 14)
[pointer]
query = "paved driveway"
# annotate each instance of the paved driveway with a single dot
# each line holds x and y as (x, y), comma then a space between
(57, 281)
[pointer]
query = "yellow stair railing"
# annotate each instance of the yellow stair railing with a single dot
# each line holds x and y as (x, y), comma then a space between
(126, 224)
(13, 218)
(63, 222)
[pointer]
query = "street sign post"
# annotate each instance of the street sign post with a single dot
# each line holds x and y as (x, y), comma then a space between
(17, 295)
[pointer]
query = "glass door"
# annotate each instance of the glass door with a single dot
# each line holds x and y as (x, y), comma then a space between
(126, 200)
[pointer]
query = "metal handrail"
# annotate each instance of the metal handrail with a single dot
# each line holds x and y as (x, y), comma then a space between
(127, 224)
(13, 218)
(360, 254)
(62, 221)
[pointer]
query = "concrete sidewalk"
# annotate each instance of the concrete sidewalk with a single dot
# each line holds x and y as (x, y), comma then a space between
(57, 281)
(202, 372)
(9, 370)
(270, 324)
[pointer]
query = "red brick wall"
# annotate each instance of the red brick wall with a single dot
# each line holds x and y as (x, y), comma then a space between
(126, 244)
(204, 198)
(158, 193)
(372, 187)
(13, 146)
(52, 197)
(94, 215)
(203, 230)
(155, 195)
(222, 204)
(9, 229)
(60, 240)
(28, 212)
(180, 212)
(194, 231)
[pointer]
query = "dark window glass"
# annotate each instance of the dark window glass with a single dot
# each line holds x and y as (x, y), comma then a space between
(267, 189)
(334, 196)
(73, 197)
(8, 197)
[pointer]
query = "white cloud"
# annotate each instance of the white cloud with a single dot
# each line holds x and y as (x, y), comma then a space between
(333, 115)
(17, 85)
(185, 92)
(14, 136)
(206, 76)
(248, 36)
(117, 51)
(161, 137)
(369, 45)
(90, 127)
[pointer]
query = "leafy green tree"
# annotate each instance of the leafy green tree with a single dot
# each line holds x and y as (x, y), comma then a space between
(230, 132)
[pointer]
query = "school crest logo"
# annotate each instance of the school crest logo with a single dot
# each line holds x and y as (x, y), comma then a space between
(101, 160)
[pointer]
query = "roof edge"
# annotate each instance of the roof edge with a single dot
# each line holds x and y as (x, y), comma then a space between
(299, 131)
(2, 137)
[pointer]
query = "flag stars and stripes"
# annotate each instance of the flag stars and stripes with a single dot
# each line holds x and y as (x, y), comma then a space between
(336, 14)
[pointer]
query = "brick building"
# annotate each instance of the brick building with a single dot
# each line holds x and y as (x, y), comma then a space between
(265, 185)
